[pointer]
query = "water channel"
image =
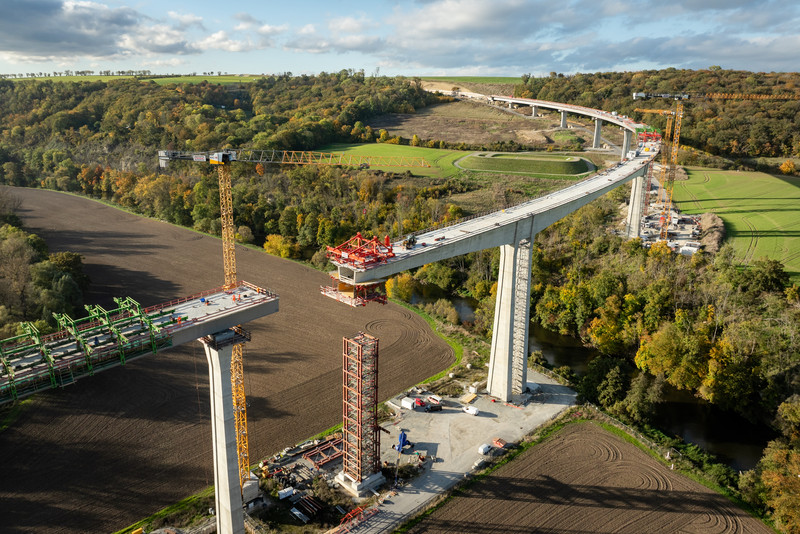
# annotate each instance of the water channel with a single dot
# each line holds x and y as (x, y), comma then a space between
(732, 438)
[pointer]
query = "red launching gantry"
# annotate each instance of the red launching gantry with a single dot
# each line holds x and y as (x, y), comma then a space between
(358, 254)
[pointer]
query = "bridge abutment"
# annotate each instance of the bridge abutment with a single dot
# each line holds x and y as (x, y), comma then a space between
(228, 496)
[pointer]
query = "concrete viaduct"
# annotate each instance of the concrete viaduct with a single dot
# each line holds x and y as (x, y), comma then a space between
(513, 230)
(627, 125)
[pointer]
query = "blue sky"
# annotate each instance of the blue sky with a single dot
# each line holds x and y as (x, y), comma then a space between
(408, 37)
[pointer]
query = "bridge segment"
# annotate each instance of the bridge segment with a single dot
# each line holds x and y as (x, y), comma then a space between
(513, 229)
(628, 125)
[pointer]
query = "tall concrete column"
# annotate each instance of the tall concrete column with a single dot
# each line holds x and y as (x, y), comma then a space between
(563, 119)
(598, 124)
(635, 207)
(626, 142)
(509, 105)
(534, 110)
(219, 349)
(508, 364)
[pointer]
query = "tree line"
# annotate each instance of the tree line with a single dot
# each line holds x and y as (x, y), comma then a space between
(34, 283)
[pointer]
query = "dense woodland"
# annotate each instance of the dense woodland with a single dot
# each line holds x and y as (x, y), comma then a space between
(725, 132)
(729, 335)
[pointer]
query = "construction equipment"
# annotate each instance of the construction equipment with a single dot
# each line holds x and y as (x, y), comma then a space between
(223, 158)
(672, 164)
(668, 162)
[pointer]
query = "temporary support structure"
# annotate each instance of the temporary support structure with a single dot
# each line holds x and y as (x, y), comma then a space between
(361, 437)
(355, 294)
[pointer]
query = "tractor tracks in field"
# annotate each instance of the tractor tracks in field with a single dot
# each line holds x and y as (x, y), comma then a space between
(753, 244)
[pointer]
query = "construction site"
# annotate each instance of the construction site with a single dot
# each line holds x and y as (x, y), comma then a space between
(385, 464)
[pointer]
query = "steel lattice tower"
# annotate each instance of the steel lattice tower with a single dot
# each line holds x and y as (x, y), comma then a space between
(361, 438)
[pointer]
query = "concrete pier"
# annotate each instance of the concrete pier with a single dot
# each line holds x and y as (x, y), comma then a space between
(508, 364)
(626, 143)
(563, 118)
(633, 223)
(534, 111)
(598, 124)
(229, 514)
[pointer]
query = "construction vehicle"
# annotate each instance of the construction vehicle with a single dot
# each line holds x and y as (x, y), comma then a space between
(223, 158)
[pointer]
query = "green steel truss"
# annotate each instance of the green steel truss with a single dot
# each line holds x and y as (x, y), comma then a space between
(32, 362)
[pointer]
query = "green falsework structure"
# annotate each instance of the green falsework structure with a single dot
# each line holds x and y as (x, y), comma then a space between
(32, 362)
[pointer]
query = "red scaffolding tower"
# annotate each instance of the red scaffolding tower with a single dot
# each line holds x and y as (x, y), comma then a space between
(361, 438)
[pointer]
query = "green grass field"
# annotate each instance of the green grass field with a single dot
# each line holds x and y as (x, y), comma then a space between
(474, 79)
(222, 80)
(440, 161)
(761, 212)
(532, 164)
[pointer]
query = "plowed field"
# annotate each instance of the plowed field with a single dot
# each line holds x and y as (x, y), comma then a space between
(587, 480)
(116, 447)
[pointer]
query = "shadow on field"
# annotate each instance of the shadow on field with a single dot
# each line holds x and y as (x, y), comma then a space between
(109, 281)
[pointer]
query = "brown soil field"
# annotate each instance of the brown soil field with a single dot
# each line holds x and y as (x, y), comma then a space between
(117, 447)
(469, 122)
(586, 480)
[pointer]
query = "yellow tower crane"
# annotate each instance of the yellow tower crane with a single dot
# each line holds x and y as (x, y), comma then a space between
(222, 159)
(668, 163)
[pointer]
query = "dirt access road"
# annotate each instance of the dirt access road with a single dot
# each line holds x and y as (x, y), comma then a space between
(585, 479)
(116, 447)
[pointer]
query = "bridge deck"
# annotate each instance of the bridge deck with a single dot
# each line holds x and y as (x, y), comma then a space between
(32, 363)
(492, 229)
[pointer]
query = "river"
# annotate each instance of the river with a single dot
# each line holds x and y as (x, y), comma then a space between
(732, 438)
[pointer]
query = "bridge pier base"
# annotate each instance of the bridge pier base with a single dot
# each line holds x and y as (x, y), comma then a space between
(563, 119)
(598, 124)
(534, 111)
(508, 364)
(228, 496)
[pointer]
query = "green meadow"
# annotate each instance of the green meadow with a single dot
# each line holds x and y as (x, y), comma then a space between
(761, 212)
(440, 161)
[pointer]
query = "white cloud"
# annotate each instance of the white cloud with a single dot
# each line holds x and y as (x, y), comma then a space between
(185, 20)
(349, 24)
(220, 41)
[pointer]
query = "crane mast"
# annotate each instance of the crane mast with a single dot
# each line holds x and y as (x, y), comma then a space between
(237, 357)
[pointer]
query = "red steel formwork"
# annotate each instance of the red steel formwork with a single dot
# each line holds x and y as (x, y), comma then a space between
(361, 438)
(359, 252)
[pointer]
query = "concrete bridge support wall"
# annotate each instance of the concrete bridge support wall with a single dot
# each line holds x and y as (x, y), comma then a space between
(563, 119)
(598, 124)
(230, 517)
(633, 223)
(508, 365)
(626, 143)
(534, 111)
